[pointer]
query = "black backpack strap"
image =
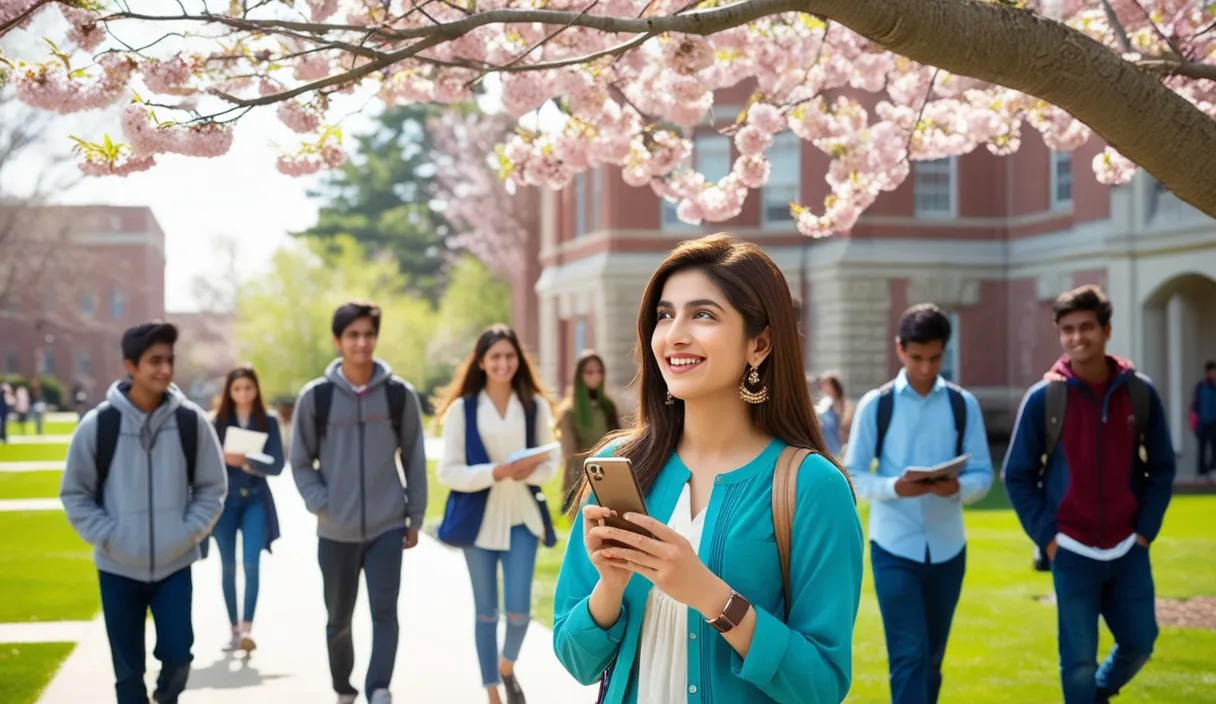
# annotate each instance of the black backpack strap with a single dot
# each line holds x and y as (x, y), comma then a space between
(322, 397)
(187, 430)
(958, 406)
(395, 388)
(886, 406)
(109, 425)
(1138, 391)
(1055, 403)
(530, 422)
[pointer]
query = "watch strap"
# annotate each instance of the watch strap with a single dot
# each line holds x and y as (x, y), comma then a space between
(732, 614)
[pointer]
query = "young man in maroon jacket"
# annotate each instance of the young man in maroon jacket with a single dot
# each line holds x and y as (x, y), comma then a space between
(1097, 505)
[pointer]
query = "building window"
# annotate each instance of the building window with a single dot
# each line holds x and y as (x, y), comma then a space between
(12, 362)
(950, 359)
(580, 337)
(783, 181)
(934, 185)
(580, 206)
(118, 304)
(1061, 179)
(11, 306)
(711, 157)
(46, 361)
(596, 195)
(50, 301)
(84, 364)
(88, 305)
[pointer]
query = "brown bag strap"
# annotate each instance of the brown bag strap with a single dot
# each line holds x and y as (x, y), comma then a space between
(785, 496)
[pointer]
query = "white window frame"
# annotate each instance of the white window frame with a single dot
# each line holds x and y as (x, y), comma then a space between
(580, 336)
(596, 197)
(90, 310)
(782, 188)
(12, 361)
(118, 300)
(951, 359)
(580, 206)
(934, 165)
(702, 143)
(83, 362)
(1055, 182)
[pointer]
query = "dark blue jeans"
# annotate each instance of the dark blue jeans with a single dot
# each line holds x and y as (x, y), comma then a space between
(380, 562)
(518, 566)
(246, 515)
(917, 601)
(1206, 434)
(1121, 592)
(124, 604)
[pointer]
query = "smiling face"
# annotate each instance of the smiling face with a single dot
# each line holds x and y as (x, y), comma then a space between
(357, 343)
(500, 362)
(699, 340)
(1082, 337)
(154, 372)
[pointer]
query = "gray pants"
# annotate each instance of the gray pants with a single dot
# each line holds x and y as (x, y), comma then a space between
(380, 562)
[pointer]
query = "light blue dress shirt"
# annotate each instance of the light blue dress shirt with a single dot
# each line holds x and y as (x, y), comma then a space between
(921, 434)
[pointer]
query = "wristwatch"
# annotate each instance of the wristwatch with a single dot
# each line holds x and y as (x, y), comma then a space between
(732, 614)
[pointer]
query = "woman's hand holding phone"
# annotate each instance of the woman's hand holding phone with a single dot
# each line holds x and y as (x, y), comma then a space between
(613, 574)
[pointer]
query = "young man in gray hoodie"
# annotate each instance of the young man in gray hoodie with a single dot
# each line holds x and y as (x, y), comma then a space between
(346, 431)
(146, 509)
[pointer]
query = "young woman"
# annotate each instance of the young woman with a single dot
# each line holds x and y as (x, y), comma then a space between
(249, 508)
(496, 512)
(698, 612)
(584, 417)
(835, 412)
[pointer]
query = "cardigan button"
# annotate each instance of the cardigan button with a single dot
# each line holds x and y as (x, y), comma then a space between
(692, 689)
(692, 635)
(718, 479)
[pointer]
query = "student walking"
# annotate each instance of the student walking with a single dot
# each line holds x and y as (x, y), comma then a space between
(496, 512)
(835, 412)
(918, 549)
(584, 417)
(347, 429)
(1099, 501)
(249, 509)
(734, 598)
(1203, 420)
(143, 484)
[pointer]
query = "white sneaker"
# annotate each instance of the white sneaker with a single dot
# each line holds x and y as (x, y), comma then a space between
(381, 696)
(347, 698)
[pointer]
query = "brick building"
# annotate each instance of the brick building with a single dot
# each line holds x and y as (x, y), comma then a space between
(80, 276)
(991, 239)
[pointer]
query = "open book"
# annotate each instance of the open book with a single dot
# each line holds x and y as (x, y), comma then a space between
(533, 451)
(946, 470)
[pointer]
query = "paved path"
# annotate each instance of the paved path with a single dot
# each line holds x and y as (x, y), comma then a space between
(52, 465)
(39, 439)
(31, 505)
(436, 661)
(45, 631)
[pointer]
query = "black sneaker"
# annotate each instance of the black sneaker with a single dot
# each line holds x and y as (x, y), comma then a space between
(515, 694)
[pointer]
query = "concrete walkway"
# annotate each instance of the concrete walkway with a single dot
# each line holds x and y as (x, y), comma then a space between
(45, 631)
(42, 466)
(436, 661)
(31, 505)
(39, 439)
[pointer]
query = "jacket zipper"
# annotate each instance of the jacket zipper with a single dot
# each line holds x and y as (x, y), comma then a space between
(362, 491)
(1098, 454)
(151, 524)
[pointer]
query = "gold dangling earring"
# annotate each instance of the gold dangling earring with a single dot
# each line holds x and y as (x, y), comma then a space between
(670, 400)
(752, 397)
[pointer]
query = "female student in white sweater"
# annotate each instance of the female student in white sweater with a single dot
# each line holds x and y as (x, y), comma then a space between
(496, 511)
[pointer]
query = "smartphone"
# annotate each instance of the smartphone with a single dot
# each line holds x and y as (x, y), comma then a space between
(611, 480)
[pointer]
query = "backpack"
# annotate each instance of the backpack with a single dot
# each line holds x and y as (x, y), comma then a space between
(109, 424)
(1056, 403)
(886, 407)
(323, 396)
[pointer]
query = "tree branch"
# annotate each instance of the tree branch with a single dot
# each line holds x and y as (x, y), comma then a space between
(1177, 67)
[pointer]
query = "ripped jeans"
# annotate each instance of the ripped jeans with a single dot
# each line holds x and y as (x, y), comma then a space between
(518, 564)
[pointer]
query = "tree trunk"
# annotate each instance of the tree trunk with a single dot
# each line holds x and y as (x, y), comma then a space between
(1133, 111)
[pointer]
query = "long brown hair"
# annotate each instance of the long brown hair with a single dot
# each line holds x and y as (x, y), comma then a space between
(755, 287)
(225, 408)
(578, 401)
(470, 378)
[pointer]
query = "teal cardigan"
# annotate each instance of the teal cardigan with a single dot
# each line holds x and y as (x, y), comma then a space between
(808, 659)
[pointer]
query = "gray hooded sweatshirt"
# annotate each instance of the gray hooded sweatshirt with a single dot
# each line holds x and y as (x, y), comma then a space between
(150, 522)
(355, 488)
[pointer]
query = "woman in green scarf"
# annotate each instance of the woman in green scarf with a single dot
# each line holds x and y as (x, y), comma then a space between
(584, 417)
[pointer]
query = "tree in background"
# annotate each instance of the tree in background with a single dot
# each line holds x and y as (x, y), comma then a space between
(383, 199)
(873, 84)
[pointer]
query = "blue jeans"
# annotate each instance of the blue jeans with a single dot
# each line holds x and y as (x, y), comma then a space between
(246, 514)
(917, 601)
(1121, 592)
(379, 560)
(518, 564)
(124, 604)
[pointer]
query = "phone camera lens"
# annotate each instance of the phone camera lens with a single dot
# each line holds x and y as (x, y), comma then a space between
(597, 472)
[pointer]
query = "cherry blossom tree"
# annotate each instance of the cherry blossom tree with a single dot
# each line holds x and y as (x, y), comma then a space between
(872, 83)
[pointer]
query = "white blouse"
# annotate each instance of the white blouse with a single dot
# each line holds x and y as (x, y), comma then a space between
(510, 502)
(663, 649)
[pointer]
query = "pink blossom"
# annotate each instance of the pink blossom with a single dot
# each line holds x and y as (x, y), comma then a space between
(312, 67)
(49, 87)
(752, 140)
(322, 9)
(687, 53)
(85, 31)
(147, 138)
(752, 170)
(523, 92)
(300, 118)
(767, 118)
(123, 167)
(1112, 168)
(689, 212)
(168, 77)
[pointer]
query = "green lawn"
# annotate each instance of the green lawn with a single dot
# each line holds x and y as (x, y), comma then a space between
(56, 427)
(27, 668)
(33, 453)
(29, 485)
(46, 570)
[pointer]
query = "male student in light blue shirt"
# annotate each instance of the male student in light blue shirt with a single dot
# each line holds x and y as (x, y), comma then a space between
(917, 544)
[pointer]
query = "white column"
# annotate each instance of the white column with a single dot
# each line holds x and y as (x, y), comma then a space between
(1176, 365)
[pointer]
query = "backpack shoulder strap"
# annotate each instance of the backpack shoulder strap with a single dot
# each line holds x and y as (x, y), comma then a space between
(530, 422)
(187, 430)
(109, 424)
(958, 406)
(785, 498)
(322, 397)
(1138, 390)
(396, 403)
(886, 406)
(1055, 404)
